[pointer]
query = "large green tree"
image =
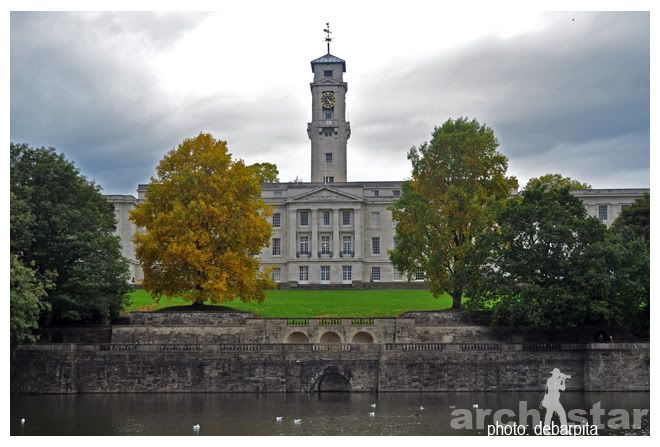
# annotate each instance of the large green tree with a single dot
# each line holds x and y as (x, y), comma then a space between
(556, 181)
(205, 225)
(636, 218)
(63, 226)
(458, 183)
(26, 292)
(549, 265)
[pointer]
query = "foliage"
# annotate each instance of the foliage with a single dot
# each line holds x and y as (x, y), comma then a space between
(556, 181)
(458, 183)
(267, 172)
(291, 303)
(26, 294)
(636, 218)
(63, 225)
(205, 225)
(549, 265)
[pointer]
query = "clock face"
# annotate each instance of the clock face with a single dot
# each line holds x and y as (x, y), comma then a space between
(328, 100)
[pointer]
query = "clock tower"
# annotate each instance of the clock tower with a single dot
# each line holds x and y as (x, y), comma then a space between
(329, 130)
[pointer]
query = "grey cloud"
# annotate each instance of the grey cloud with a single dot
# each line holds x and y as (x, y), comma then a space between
(573, 84)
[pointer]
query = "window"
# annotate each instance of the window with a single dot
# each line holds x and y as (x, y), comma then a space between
(328, 179)
(327, 73)
(393, 241)
(602, 212)
(375, 219)
(396, 193)
(326, 218)
(275, 275)
(376, 193)
(328, 115)
(347, 245)
(325, 245)
(278, 193)
(419, 275)
(303, 273)
(346, 273)
(325, 273)
(397, 275)
(277, 246)
(375, 273)
(328, 131)
(328, 157)
(276, 220)
(375, 245)
(346, 217)
(304, 218)
(304, 245)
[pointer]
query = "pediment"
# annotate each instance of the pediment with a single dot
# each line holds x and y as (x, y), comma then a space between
(326, 195)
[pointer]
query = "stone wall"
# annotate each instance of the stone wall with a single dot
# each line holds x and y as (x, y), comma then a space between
(71, 368)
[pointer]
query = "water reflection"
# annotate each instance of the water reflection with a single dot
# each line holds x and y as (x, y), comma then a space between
(256, 414)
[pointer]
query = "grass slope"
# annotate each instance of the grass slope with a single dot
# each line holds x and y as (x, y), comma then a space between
(316, 303)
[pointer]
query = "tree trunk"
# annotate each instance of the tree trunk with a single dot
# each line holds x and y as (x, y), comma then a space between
(456, 296)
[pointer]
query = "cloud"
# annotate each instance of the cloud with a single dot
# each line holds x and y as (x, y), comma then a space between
(548, 96)
(567, 96)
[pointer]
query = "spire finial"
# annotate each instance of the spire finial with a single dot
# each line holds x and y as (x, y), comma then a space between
(327, 31)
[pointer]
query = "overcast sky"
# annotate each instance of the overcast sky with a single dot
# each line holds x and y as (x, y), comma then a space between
(564, 92)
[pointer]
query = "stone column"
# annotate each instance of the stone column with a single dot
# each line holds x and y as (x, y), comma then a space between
(357, 231)
(314, 239)
(293, 234)
(336, 243)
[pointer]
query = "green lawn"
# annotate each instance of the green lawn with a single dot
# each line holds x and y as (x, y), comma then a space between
(317, 303)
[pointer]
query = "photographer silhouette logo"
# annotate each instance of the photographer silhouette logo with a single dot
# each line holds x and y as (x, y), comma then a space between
(555, 384)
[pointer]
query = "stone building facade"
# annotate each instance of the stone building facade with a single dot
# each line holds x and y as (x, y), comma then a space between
(332, 232)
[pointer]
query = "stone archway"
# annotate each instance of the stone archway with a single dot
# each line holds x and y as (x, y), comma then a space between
(331, 379)
(297, 337)
(363, 337)
(330, 337)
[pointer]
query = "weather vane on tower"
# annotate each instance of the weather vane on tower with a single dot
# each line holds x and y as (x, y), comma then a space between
(327, 31)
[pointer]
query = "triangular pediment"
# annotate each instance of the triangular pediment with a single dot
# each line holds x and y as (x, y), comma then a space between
(326, 194)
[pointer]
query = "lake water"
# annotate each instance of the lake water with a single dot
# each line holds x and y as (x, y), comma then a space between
(320, 414)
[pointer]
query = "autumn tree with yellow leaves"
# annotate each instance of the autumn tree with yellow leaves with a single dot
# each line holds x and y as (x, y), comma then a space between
(204, 225)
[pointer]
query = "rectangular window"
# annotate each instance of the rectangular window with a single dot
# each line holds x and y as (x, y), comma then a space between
(325, 273)
(328, 131)
(375, 219)
(397, 275)
(346, 217)
(326, 218)
(276, 220)
(277, 246)
(376, 193)
(347, 245)
(325, 245)
(419, 275)
(328, 157)
(275, 275)
(375, 245)
(396, 193)
(602, 212)
(327, 73)
(346, 273)
(278, 193)
(328, 179)
(303, 273)
(304, 245)
(304, 218)
(328, 115)
(375, 273)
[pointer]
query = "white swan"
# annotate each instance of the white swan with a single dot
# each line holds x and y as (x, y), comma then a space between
(278, 418)
(297, 421)
(373, 405)
(373, 413)
(475, 405)
(196, 427)
(23, 421)
(421, 407)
